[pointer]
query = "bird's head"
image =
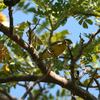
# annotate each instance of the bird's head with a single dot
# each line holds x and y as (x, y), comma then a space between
(68, 42)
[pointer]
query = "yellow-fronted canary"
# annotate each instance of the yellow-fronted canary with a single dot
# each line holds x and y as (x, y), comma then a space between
(55, 49)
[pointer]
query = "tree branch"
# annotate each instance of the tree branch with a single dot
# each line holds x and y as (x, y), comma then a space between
(91, 79)
(52, 78)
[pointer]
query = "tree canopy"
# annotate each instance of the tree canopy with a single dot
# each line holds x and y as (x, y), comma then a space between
(34, 55)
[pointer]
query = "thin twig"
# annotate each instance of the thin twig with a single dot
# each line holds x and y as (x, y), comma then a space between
(83, 85)
(72, 63)
(86, 45)
(36, 25)
(31, 31)
(51, 24)
(36, 82)
(51, 34)
(48, 29)
(81, 41)
(98, 84)
(23, 85)
(30, 34)
(72, 69)
(11, 19)
(92, 78)
(40, 86)
(28, 91)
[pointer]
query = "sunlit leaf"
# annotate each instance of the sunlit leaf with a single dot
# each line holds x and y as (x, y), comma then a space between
(81, 21)
(98, 21)
(21, 27)
(97, 49)
(44, 38)
(86, 82)
(42, 26)
(6, 68)
(59, 36)
(2, 6)
(94, 58)
(36, 40)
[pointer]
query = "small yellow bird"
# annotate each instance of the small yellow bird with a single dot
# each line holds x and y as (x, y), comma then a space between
(55, 49)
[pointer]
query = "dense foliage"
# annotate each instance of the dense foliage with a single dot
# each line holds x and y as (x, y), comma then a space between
(35, 53)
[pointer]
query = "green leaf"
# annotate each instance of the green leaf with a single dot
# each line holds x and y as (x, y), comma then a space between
(21, 27)
(85, 25)
(63, 92)
(51, 97)
(36, 41)
(2, 6)
(35, 20)
(81, 21)
(44, 37)
(43, 26)
(59, 36)
(26, 6)
(94, 58)
(89, 21)
(32, 9)
(97, 48)
(58, 93)
(86, 82)
(98, 9)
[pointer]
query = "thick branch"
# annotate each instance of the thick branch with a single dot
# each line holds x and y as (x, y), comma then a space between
(19, 78)
(52, 78)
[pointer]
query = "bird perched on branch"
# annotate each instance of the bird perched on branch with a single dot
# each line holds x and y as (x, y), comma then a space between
(55, 49)
(10, 3)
